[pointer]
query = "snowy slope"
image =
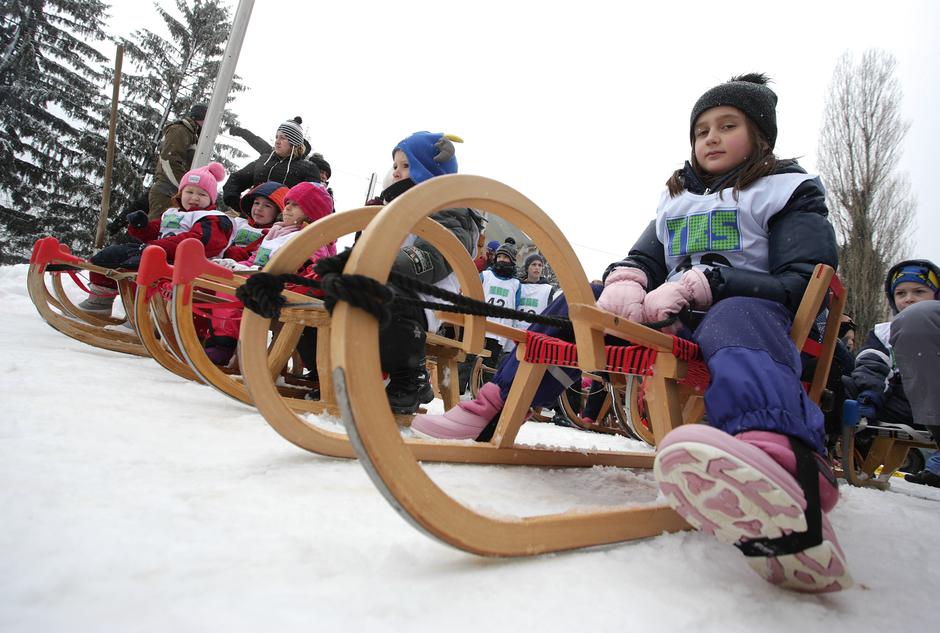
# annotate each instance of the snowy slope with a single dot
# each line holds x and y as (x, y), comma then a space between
(136, 501)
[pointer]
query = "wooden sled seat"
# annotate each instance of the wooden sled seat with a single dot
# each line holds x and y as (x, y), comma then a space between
(49, 261)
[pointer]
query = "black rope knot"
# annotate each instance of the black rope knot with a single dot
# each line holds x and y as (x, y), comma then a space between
(361, 292)
(261, 293)
(334, 264)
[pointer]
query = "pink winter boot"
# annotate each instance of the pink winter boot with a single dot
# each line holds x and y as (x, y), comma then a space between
(465, 421)
(743, 491)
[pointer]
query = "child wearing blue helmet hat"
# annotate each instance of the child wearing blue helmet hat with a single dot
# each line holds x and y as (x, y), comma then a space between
(415, 159)
(905, 350)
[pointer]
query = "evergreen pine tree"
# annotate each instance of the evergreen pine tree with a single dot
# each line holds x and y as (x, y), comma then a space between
(167, 76)
(51, 135)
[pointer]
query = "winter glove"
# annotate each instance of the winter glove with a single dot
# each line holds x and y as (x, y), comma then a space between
(119, 256)
(868, 404)
(672, 297)
(224, 261)
(138, 219)
(623, 293)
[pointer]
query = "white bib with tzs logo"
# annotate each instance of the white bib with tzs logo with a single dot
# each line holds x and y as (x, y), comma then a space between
(716, 230)
(270, 246)
(243, 233)
(176, 221)
(499, 292)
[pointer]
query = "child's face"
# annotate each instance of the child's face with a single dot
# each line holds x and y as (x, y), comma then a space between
(400, 167)
(535, 269)
(722, 140)
(910, 292)
(192, 197)
(263, 211)
(502, 257)
(292, 213)
(281, 145)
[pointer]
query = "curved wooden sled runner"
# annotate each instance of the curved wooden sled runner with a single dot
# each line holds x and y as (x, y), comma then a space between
(49, 261)
(393, 463)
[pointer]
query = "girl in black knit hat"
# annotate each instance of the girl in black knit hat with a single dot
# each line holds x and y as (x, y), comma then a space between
(285, 164)
(737, 235)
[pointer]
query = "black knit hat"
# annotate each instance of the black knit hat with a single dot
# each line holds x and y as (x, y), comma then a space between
(749, 94)
(198, 111)
(534, 257)
(318, 160)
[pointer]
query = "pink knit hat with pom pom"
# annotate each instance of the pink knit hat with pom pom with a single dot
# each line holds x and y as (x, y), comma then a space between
(206, 178)
(313, 199)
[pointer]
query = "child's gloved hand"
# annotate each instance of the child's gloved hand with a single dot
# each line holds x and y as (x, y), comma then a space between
(138, 219)
(868, 404)
(623, 293)
(119, 255)
(227, 262)
(672, 297)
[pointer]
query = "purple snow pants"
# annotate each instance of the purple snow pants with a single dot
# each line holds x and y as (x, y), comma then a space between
(755, 370)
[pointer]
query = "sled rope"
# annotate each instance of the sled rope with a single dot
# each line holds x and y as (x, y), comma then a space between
(261, 293)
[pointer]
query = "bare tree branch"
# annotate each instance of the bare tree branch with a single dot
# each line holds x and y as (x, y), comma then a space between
(871, 204)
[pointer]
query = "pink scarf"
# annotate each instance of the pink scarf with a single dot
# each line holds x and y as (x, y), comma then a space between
(280, 228)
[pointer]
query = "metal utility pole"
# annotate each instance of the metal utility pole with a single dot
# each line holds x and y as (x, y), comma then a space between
(223, 81)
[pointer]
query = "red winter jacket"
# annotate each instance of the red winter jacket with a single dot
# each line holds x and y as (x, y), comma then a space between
(213, 231)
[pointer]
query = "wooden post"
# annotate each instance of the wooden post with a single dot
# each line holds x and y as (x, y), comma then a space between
(109, 160)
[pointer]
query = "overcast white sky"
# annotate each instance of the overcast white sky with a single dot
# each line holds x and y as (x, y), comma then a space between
(581, 106)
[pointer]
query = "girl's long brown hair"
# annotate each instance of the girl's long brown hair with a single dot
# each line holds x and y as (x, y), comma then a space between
(761, 163)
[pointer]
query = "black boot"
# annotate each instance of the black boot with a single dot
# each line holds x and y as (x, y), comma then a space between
(408, 388)
(924, 478)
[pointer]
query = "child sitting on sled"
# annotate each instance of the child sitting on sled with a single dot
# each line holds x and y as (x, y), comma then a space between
(415, 159)
(193, 214)
(260, 209)
(304, 203)
(737, 234)
(907, 349)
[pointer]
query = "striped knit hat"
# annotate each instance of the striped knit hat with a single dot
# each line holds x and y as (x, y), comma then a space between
(292, 130)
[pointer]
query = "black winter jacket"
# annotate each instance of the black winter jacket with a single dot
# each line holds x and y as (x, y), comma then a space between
(421, 259)
(800, 237)
(289, 171)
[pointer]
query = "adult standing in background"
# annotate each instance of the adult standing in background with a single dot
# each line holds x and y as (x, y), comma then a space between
(285, 164)
(177, 149)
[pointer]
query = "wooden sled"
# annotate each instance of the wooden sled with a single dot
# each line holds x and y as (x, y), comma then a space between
(257, 371)
(193, 279)
(888, 451)
(393, 463)
(259, 365)
(48, 262)
(571, 402)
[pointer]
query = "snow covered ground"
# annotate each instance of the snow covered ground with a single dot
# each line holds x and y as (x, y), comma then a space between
(133, 500)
